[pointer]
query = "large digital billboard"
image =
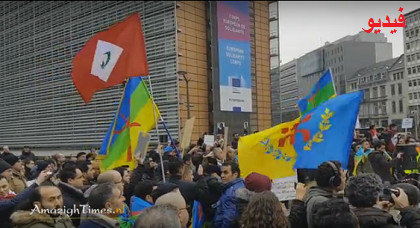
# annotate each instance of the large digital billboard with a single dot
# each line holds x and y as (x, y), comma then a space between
(234, 50)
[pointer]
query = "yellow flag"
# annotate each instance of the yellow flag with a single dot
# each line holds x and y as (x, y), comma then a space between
(269, 152)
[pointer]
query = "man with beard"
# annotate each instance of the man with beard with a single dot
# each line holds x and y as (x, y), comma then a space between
(43, 209)
(27, 154)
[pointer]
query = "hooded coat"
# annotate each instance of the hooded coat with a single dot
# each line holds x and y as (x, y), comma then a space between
(27, 219)
(316, 195)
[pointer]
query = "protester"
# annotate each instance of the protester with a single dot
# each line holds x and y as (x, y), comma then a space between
(163, 188)
(91, 156)
(17, 180)
(5, 169)
(176, 199)
(254, 183)
(235, 141)
(162, 216)
(6, 152)
(297, 216)
(226, 209)
(27, 154)
(32, 215)
(81, 156)
(88, 172)
(110, 176)
(59, 159)
(264, 211)
(188, 189)
(363, 164)
(142, 197)
(334, 213)
(125, 173)
(28, 164)
(108, 201)
(391, 138)
(382, 162)
(363, 193)
(373, 133)
(413, 193)
(71, 186)
(330, 179)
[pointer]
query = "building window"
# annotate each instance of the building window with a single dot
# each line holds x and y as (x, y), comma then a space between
(406, 34)
(394, 108)
(414, 83)
(410, 96)
(414, 70)
(401, 106)
(418, 68)
(375, 92)
(383, 91)
(392, 90)
(410, 84)
(394, 77)
(408, 58)
(415, 96)
(399, 88)
(408, 46)
(418, 56)
(402, 75)
(409, 71)
(367, 94)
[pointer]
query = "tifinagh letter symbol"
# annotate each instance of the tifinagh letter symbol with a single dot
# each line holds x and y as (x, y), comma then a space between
(108, 57)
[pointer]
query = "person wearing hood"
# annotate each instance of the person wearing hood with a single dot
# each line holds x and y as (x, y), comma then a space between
(71, 185)
(17, 181)
(330, 179)
(8, 200)
(254, 183)
(363, 193)
(27, 154)
(43, 209)
(226, 209)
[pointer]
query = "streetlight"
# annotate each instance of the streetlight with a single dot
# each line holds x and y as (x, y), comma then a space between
(187, 80)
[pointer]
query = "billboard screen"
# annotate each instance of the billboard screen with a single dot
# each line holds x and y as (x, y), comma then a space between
(234, 50)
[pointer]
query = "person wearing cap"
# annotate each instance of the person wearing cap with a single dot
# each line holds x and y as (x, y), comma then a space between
(17, 180)
(27, 154)
(254, 183)
(5, 169)
(169, 153)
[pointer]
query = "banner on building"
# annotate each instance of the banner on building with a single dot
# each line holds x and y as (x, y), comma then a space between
(234, 56)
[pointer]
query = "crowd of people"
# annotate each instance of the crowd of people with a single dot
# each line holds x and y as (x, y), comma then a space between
(161, 191)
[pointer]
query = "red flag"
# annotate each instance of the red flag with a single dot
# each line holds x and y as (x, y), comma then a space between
(110, 57)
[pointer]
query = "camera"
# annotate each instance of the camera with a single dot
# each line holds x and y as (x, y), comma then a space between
(386, 194)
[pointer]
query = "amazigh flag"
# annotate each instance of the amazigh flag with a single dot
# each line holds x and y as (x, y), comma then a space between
(322, 91)
(327, 133)
(198, 218)
(136, 116)
(269, 152)
(110, 57)
(361, 157)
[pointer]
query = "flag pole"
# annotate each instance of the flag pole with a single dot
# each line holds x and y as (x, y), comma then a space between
(169, 135)
(332, 77)
(157, 129)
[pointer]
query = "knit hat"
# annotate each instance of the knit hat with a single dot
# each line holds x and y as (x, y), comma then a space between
(257, 182)
(11, 159)
(4, 166)
(412, 192)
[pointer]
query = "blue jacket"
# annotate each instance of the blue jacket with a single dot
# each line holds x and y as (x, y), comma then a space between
(226, 211)
(138, 205)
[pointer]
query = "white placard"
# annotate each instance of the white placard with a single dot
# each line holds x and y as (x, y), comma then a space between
(357, 123)
(284, 188)
(407, 123)
(209, 140)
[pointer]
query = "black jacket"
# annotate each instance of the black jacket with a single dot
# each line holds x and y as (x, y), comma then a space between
(211, 189)
(297, 216)
(371, 217)
(189, 190)
(72, 198)
(382, 166)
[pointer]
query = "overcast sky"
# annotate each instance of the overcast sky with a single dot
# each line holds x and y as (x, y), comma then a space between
(305, 26)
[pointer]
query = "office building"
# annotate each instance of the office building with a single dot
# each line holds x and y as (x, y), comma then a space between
(41, 107)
